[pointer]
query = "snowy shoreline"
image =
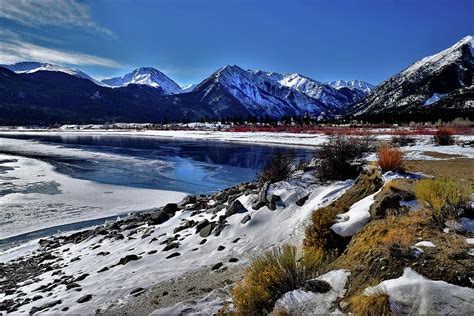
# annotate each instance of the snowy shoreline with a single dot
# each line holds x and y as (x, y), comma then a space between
(51, 199)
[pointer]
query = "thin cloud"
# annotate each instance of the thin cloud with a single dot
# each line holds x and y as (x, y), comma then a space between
(66, 13)
(14, 48)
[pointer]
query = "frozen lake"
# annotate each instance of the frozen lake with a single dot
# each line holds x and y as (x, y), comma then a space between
(74, 181)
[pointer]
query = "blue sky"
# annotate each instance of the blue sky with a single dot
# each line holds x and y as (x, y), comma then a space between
(189, 39)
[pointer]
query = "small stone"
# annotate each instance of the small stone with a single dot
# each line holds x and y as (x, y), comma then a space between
(217, 266)
(174, 254)
(36, 297)
(71, 286)
(103, 253)
(151, 252)
(127, 259)
(165, 293)
(220, 248)
(245, 219)
(203, 241)
(233, 260)
(84, 299)
(137, 291)
(236, 240)
(103, 270)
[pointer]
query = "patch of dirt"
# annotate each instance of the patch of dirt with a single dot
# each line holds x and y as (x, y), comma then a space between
(460, 168)
(191, 286)
(436, 154)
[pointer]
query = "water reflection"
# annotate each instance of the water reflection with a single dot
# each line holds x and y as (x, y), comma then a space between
(187, 166)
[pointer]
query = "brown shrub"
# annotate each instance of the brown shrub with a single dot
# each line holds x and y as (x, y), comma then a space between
(278, 167)
(402, 139)
(337, 157)
(444, 136)
(390, 158)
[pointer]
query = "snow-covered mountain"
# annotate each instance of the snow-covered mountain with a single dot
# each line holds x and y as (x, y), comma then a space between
(33, 66)
(146, 76)
(259, 94)
(353, 84)
(440, 81)
(334, 96)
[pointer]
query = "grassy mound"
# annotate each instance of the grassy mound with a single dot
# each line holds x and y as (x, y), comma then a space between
(318, 234)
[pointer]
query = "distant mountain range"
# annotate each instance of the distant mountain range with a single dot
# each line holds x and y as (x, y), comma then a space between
(41, 93)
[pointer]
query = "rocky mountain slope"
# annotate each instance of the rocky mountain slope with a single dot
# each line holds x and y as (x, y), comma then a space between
(425, 87)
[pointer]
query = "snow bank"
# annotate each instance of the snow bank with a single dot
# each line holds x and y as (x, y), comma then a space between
(414, 294)
(301, 302)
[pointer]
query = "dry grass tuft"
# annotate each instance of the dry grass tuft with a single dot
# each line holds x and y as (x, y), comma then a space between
(446, 198)
(375, 303)
(271, 275)
(390, 158)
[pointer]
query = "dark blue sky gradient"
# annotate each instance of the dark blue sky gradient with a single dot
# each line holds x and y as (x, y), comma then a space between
(326, 40)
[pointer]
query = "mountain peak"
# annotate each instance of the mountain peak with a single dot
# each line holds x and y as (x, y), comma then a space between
(146, 76)
(34, 66)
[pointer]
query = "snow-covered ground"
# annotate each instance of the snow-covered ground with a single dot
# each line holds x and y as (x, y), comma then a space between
(265, 229)
(424, 143)
(34, 196)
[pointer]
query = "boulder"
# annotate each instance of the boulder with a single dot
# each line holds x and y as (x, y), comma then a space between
(158, 217)
(387, 202)
(317, 286)
(170, 209)
(302, 201)
(128, 258)
(261, 200)
(201, 225)
(206, 231)
(234, 208)
(219, 228)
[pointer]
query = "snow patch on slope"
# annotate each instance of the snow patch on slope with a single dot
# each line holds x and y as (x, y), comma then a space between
(414, 294)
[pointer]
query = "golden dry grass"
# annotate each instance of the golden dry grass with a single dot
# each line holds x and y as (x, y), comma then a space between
(445, 197)
(371, 304)
(272, 274)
